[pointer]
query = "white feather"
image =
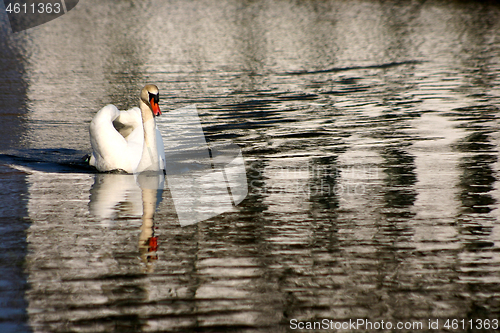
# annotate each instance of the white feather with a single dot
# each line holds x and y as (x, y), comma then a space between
(117, 140)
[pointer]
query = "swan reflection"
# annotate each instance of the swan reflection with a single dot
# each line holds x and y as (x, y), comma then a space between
(116, 196)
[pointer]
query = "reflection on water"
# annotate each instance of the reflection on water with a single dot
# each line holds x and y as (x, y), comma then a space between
(121, 196)
(370, 137)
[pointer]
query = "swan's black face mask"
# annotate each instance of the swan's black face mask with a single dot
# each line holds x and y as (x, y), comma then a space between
(154, 99)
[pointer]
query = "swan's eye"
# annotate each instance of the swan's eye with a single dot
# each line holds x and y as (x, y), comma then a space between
(154, 97)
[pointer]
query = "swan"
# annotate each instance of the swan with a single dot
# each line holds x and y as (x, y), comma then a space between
(128, 141)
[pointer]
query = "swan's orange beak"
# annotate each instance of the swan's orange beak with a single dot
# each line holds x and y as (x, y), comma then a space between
(155, 107)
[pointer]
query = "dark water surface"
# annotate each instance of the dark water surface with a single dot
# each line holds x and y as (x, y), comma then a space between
(370, 135)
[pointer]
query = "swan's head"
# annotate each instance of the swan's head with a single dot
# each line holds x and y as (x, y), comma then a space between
(151, 96)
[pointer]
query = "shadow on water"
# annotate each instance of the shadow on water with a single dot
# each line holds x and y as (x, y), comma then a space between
(48, 160)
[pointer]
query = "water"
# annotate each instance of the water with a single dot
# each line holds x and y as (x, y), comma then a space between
(370, 135)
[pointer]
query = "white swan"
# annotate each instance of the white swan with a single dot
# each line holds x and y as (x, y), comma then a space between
(128, 140)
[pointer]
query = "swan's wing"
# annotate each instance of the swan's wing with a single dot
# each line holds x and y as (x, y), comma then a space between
(109, 147)
(128, 121)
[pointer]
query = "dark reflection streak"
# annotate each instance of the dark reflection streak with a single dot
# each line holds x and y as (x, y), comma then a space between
(477, 29)
(256, 188)
(13, 248)
(271, 287)
(401, 44)
(321, 33)
(123, 68)
(400, 169)
(474, 223)
(321, 252)
(126, 323)
(13, 87)
(322, 184)
(474, 226)
(324, 203)
(478, 177)
(194, 278)
(251, 44)
(236, 241)
(13, 184)
(393, 227)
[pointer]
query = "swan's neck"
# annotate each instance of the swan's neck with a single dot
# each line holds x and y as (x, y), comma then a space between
(149, 160)
(147, 113)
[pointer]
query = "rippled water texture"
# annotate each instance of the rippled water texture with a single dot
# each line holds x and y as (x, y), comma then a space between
(370, 136)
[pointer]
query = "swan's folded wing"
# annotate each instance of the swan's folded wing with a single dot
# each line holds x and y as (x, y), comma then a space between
(128, 121)
(108, 145)
(129, 125)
